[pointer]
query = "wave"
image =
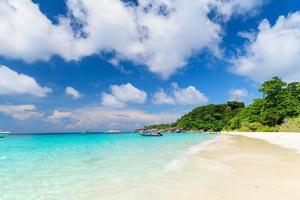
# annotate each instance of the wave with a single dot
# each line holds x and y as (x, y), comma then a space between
(178, 163)
(2, 157)
(199, 147)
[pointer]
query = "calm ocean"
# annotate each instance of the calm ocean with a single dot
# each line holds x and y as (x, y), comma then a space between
(99, 166)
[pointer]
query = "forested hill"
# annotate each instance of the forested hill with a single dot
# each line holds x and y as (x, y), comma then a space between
(277, 110)
(211, 117)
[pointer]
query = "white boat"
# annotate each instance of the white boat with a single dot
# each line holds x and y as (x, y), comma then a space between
(152, 134)
(4, 133)
(114, 131)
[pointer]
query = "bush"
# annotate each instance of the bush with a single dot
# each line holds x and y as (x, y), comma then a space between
(250, 127)
(245, 129)
(268, 129)
(256, 127)
(290, 125)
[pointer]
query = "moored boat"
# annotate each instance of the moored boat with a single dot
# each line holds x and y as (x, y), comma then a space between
(4, 134)
(153, 134)
(86, 132)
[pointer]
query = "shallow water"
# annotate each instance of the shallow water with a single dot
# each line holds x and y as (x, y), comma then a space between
(102, 166)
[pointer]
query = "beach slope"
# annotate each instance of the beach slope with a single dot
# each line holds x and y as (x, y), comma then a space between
(260, 169)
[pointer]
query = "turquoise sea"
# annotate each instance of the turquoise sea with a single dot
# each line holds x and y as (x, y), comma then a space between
(101, 166)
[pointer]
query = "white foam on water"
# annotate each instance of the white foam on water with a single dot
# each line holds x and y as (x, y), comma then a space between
(175, 164)
(178, 163)
(2, 157)
(193, 150)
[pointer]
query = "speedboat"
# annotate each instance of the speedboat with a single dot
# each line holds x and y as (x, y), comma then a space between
(154, 134)
(114, 131)
(86, 132)
(4, 134)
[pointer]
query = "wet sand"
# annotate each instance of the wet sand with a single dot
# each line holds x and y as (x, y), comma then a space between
(230, 168)
(260, 170)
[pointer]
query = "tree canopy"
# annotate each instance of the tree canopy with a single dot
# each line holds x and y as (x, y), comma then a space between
(280, 102)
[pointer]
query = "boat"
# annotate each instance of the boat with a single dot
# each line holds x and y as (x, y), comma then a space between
(4, 134)
(153, 134)
(86, 132)
(114, 131)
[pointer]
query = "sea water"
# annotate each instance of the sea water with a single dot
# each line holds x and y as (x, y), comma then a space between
(102, 166)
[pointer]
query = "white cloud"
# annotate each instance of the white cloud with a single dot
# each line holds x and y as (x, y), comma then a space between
(183, 96)
(109, 100)
(128, 93)
(160, 97)
(275, 51)
(20, 112)
(101, 118)
(170, 40)
(75, 94)
(238, 94)
(38, 40)
(123, 94)
(160, 34)
(92, 117)
(239, 7)
(13, 83)
(57, 115)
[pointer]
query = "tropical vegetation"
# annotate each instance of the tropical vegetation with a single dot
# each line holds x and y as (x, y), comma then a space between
(277, 110)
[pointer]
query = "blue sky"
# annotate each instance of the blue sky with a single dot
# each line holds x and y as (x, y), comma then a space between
(74, 65)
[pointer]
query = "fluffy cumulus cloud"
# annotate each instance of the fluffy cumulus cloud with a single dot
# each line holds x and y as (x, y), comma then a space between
(75, 94)
(20, 112)
(121, 95)
(161, 34)
(101, 118)
(173, 31)
(231, 7)
(28, 34)
(57, 116)
(109, 100)
(13, 83)
(238, 94)
(274, 51)
(182, 96)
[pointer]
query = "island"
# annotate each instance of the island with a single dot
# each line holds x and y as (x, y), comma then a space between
(278, 110)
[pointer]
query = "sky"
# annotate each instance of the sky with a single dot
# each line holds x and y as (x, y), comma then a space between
(77, 65)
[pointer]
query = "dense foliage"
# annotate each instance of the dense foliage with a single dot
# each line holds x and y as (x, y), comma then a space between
(278, 109)
(206, 118)
(290, 125)
(161, 126)
(280, 101)
(211, 117)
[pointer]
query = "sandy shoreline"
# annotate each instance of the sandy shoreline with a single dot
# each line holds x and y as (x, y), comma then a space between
(225, 167)
(260, 170)
(231, 167)
(283, 139)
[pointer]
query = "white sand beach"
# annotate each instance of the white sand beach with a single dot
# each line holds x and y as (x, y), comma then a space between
(232, 167)
(261, 168)
(283, 139)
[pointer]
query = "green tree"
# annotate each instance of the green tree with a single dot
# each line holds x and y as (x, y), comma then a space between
(280, 101)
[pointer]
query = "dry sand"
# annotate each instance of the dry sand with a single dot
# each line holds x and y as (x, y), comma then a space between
(260, 170)
(284, 139)
(230, 168)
